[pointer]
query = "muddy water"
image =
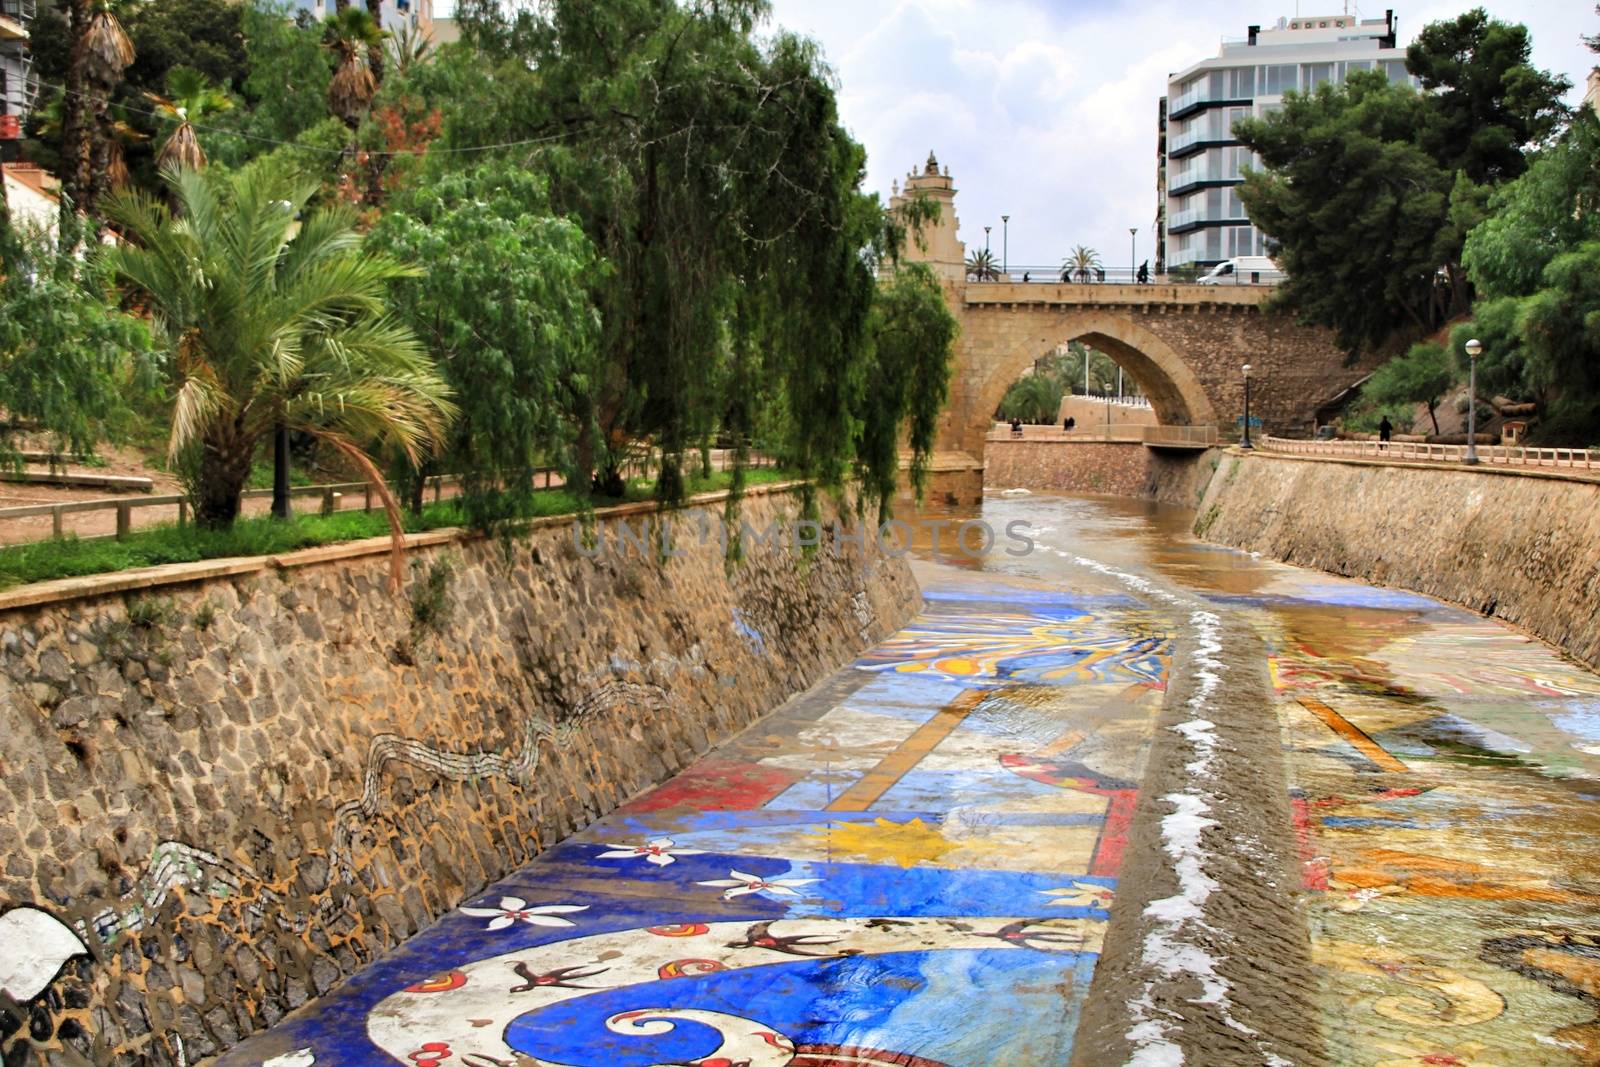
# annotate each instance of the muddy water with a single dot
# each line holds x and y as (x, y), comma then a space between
(1441, 776)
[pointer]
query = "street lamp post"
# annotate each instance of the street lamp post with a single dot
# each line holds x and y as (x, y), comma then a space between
(1245, 443)
(1005, 245)
(1133, 252)
(1473, 347)
(986, 230)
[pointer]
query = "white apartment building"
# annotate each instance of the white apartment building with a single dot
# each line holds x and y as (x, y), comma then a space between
(17, 83)
(1200, 220)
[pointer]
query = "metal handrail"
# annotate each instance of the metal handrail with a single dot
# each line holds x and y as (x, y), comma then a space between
(1498, 455)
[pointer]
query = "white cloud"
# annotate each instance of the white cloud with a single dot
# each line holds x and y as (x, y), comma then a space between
(1046, 109)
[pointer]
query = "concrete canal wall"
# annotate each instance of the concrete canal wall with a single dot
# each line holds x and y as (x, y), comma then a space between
(226, 786)
(1115, 468)
(1517, 546)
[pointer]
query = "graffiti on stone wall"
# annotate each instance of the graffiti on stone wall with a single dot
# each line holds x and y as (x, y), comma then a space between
(37, 945)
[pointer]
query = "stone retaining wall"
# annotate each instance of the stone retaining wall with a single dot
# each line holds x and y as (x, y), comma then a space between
(1116, 468)
(1516, 546)
(219, 798)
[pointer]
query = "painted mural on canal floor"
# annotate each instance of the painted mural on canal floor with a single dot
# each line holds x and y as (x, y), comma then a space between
(1445, 773)
(939, 827)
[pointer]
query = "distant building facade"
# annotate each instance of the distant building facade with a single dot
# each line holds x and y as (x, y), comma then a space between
(397, 14)
(1592, 97)
(1199, 218)
(17, 83)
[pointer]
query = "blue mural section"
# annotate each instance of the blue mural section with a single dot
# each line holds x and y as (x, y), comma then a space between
(842, 886)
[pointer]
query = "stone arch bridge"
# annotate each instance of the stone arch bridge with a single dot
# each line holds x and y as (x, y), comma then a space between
(1184, 344)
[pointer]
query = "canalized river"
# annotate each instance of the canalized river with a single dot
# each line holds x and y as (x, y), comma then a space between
(1126, 798)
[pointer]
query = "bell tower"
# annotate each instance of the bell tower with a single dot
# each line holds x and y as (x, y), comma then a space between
(935, 243)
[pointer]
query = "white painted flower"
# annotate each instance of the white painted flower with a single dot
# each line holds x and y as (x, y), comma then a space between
(660, 852)
(513, 910)
(1080, 895)
(1353, 897)
(738, 884)
(34, 945)
(300, 1057)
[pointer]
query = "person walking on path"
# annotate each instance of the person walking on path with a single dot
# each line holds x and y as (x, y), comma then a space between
(1385, 428)
(1144, 273)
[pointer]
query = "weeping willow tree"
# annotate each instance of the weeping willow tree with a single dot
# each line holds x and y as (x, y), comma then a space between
(707, 165)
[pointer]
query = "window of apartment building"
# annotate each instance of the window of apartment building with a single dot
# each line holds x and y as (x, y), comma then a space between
(1241, 241)
(1235, 160)
(1349, 66)
(1317, 73)
(1396, 69)
(1278, 79)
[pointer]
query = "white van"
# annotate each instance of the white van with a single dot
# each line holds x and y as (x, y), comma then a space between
(1243, 270)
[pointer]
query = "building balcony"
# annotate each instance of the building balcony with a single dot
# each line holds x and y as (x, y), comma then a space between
(14, 18)
(1188, 144)
(1196, 218)
(1200, 178)
(1202, 97)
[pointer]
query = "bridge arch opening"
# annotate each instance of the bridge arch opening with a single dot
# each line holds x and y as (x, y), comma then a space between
(1174, 392)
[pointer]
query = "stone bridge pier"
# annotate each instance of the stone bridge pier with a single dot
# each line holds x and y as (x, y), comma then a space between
(1184, 344)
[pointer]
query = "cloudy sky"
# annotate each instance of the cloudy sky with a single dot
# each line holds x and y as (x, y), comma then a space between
(1046, 109)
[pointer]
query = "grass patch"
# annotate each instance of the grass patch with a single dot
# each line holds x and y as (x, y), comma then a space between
(70, 557)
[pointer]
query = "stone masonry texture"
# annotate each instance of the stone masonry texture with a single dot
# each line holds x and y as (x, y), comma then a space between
(1116, 468)
(238, 791)
(1518, 547)
(1184, 345)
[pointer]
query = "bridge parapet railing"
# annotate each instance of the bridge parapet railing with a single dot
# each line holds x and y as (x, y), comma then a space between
(1052, 274)
(1196, 436)
(1131, 433)
(1421, 451)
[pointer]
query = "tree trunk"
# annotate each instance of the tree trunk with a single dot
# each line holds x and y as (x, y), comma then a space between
(7, 254)
(1434, 415)
(75, 117)
(280, 473)
(375, 55)
(224, 470)
(99, 155)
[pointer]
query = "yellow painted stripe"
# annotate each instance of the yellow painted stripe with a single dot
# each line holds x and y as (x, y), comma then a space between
(910, 752)
(1353, 734)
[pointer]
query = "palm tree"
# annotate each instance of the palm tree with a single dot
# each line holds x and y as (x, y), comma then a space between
(191, 96)
(124, 135)
(981, 267)
(355, 36)
(270, 326)
(1081, 264)
(408, 47)
(50, 125)
(106, 53)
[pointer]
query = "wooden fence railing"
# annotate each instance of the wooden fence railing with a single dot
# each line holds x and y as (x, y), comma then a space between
(330, 495)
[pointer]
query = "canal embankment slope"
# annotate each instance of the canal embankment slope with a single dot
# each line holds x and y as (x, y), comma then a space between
(1518, 545)
(1082, 464)
(233, 783)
